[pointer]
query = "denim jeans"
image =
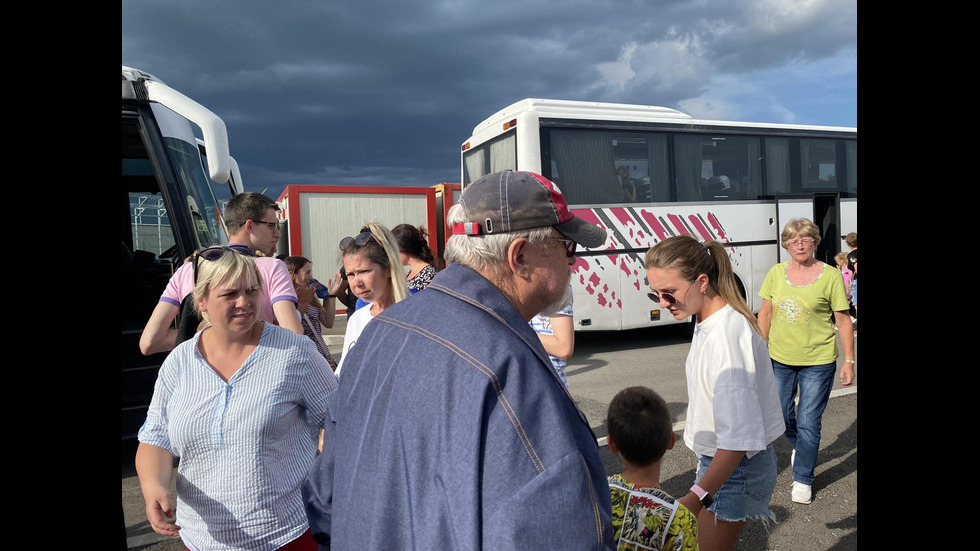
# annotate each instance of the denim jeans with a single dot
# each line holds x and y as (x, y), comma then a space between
(803, 422)
(747, 492)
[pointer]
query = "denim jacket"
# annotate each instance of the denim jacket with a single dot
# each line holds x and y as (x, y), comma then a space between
(451, 430)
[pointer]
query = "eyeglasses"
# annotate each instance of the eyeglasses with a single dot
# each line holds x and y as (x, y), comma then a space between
(570, 245)
(214, 253)
(798, 242)
(274, 226)
(671, 299)
(360, 240)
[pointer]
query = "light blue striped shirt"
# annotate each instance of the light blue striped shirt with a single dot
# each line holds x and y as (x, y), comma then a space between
(245, 445)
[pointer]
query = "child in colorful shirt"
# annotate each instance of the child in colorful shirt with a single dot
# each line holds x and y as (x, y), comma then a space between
(643, 515)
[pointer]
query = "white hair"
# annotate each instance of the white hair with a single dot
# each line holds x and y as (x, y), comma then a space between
(484, 252)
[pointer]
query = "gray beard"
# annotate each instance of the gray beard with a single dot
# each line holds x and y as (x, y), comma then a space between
(558, 305)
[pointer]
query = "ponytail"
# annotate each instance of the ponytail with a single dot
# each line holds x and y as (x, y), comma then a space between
(413, 242)
(693, 258)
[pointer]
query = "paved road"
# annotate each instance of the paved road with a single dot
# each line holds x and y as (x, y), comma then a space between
(603, 364)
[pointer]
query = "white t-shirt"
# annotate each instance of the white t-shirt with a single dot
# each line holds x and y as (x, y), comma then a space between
(355, 324)
(733, 403)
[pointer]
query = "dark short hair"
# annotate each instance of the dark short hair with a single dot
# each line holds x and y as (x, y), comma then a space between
(246, 206)
(639, 424)
(294, 263)
(411, 241)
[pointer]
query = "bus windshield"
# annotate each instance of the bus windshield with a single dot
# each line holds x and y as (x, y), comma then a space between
(208, 224)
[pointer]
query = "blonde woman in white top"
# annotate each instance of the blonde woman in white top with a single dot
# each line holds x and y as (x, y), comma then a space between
(370, 259)
(733, 412)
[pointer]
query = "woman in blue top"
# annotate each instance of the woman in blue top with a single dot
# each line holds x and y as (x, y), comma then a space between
(240, 405)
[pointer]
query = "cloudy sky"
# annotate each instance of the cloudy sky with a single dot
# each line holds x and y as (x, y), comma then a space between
(383, 92)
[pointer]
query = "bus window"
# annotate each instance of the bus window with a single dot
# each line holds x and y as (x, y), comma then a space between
(778, 179)
(151, 228)
(495, 155)
(818, 164)
(185, 156)
(207, 220)
(713, 168)
(608, 167)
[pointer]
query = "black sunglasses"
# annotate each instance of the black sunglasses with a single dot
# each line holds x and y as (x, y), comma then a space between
(214, 253)
(360, 240)
(570, 245)
(671, 299)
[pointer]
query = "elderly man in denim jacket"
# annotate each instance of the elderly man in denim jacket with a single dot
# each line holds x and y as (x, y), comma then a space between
(450, 429)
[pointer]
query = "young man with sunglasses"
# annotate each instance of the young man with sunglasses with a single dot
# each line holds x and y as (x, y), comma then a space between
(452, 428)
(253, 226)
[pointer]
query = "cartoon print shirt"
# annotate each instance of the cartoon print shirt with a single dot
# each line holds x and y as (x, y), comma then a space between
(649, 518)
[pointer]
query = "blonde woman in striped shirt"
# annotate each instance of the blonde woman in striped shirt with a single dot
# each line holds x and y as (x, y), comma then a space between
(241, 406)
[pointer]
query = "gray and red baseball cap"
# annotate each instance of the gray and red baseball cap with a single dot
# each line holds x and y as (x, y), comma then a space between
(509, 201)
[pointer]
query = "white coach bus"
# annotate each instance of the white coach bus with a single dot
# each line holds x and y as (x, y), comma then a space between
(647, 173)
(168, 207)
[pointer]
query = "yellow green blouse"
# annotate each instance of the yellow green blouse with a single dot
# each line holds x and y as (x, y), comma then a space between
(802, 327)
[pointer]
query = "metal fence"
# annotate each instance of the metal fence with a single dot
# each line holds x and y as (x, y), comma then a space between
(150, 224)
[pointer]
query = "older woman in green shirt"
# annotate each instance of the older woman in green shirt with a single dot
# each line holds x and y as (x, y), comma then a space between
(802, 298)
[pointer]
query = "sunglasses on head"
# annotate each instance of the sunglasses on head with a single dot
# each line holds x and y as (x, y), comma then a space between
(570, 245)
(214, 253)
(360, 240)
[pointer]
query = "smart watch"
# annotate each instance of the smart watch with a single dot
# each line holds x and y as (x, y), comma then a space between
(703, 496)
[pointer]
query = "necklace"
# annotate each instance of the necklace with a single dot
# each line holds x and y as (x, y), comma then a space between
(804, 273)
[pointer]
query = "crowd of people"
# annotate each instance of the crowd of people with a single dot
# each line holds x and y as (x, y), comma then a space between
(447, 422)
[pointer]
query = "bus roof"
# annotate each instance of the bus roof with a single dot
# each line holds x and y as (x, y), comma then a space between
(142, 86)
(592, 110)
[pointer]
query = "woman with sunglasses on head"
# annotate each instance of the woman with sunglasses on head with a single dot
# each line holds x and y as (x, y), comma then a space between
(733, 413)
(802, 299)
(370, 258)
(416, 254)
(240, 405)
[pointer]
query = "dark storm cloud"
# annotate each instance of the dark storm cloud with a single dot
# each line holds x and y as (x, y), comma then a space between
(384, 92)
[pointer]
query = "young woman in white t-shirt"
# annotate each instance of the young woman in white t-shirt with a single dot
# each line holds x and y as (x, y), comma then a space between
(733, 412)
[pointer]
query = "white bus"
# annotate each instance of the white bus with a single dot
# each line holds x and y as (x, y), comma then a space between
(168, 207)
(647, 173)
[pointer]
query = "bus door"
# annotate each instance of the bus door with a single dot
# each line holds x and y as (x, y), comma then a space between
(823, 209)
(826, 215)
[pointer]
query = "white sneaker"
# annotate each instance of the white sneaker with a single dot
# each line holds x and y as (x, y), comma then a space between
(802, 493)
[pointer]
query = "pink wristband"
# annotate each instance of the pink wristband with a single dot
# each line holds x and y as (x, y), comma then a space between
(699, 491)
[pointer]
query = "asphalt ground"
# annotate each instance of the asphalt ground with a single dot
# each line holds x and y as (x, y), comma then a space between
(829, 523)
